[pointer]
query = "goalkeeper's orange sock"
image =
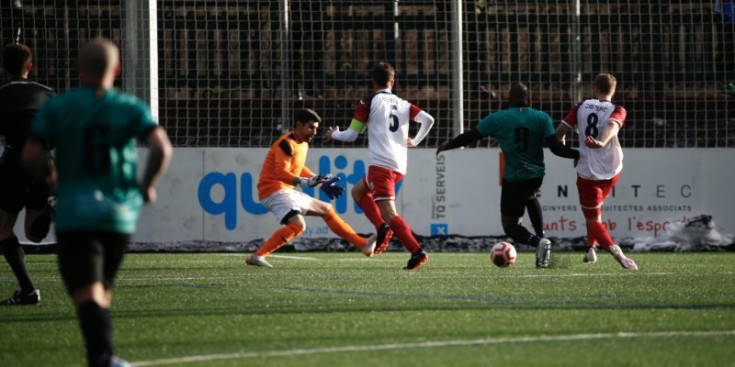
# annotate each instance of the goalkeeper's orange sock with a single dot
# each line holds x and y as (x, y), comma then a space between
(279, 238)
(403, 231)
(368, 205)
(342, 229)
(596, 231)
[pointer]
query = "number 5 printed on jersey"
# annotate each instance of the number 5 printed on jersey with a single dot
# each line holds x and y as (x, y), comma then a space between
(395, 123)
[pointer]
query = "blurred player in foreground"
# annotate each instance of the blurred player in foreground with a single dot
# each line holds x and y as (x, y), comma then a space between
(386, 116)
(99, 198)
(597, 122)
(20, 99)
(521, 132)
(282, 170)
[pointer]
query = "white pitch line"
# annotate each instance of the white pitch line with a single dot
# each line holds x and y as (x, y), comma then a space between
(428, 344)
(572, 275)
(294, 257)
(498, 275)
(278, 256)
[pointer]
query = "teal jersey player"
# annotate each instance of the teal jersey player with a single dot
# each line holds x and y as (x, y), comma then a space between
(98, 195)
(521, 132)
(97, 163)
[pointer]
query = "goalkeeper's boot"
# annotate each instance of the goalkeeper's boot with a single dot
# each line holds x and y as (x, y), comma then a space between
(369, 248)
(257, 261)
(20, 298)
(624, 261)
(383, 240)
(416, 260)
(591, 256)
(543, 253)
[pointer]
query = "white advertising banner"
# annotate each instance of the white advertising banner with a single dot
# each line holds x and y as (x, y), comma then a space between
(210, 194)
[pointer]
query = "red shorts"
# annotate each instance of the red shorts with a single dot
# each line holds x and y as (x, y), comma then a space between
(382, 182)
(592, 193)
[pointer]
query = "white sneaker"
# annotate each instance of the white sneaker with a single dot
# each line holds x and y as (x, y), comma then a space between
(257, 261)
(590, 256)
(625, 262)
(369, 248)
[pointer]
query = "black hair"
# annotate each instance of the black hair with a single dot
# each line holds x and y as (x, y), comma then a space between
(306, 115)
(518, 95)
(16, 58)
(383, 72)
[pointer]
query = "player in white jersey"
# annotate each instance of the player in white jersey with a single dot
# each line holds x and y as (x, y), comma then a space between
(597, 122)
(386, 116)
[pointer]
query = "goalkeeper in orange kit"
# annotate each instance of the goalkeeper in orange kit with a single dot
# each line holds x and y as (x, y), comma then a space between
(283, 169)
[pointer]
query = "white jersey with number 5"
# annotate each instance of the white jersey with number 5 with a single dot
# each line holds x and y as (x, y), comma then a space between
(591, 118)
(387, 116)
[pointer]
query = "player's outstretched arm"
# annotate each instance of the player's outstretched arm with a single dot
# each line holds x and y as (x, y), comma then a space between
(349, 135)
(312, 180)
(158, 161)
(466, 138)
(332, 188)
(558, 148)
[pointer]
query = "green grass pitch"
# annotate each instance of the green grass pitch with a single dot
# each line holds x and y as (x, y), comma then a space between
(342, 309)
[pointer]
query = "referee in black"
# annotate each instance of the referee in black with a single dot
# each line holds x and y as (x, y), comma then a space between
(20, 99)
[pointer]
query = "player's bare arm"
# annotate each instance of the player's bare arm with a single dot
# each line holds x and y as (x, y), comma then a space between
(158, 161)
(613, 126)
(561, 132)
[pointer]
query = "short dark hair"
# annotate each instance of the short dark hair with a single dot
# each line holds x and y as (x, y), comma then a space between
(97, 56)
(383, 72)
(605, 83)
(16, 58)
(518, 95)
(306, 115)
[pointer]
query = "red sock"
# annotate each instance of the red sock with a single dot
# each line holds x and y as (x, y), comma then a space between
(403, 231)
(597, 231)
(367, 204)
(591, 242)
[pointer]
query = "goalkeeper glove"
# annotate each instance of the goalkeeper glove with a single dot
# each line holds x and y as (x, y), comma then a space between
(332, 188)
(311, 181)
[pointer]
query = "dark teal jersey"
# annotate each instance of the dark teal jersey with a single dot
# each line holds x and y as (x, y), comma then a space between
(520, 133)
(96, 157)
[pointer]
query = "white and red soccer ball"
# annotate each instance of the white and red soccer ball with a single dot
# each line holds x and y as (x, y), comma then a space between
(503, 254)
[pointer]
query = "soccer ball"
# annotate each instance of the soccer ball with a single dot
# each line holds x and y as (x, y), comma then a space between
(503, 254)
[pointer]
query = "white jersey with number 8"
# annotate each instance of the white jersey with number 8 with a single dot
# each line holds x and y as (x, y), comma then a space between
(591, 118)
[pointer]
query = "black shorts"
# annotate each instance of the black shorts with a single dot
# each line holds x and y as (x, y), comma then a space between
(87, 257)
(19, 189)
(515, 194)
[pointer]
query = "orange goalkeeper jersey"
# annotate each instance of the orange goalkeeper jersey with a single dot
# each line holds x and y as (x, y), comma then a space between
(284, 162)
